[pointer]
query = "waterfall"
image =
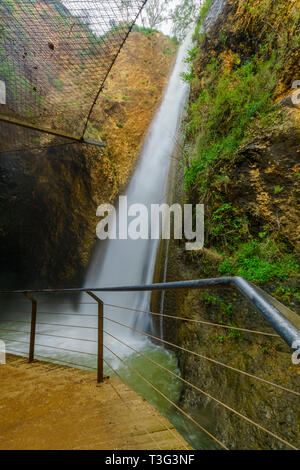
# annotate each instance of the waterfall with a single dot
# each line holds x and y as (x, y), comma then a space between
(130, 262)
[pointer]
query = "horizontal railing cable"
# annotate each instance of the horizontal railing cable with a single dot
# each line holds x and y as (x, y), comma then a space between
(203, 392)
(48, 334)
(15, 321)
(52, 324)
(54, 360)
(16, 341)
(202, 322)
(15, 350)
(15, 331)
(68, 326)
(51, 347)
(56, 313)
(167, 398)
(18, 313)
(207, 358)
(49, 302)
(64, 361)
(195, 321)
(69, 314)
(66, 337)
(64, 349)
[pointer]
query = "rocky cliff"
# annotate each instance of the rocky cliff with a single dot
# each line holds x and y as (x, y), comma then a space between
(241, 159)
(50, 190)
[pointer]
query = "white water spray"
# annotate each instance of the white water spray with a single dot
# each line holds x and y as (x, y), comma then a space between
(131, 262)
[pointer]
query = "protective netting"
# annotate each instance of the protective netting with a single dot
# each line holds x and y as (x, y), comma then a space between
(55, 56)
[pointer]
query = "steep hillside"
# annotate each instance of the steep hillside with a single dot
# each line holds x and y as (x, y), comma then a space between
(241, 159)
(54, 59)
(243, 162)
(49, 195)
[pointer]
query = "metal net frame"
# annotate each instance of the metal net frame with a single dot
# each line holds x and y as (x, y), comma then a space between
(55, 56)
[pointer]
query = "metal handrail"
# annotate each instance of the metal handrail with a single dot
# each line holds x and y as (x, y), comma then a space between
(284, 321)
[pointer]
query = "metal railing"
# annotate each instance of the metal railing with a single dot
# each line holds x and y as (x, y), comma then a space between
(284, 322)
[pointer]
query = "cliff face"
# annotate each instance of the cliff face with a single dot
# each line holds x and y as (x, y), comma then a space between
(54, 56)
(49, 195)
(241, 159)
(244, 128)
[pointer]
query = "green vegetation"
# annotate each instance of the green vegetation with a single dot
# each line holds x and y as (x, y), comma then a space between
(203, 14)
(59, 85)
(260, 262)
(220, 116)
(278, 189)
(144, 30)
(168, 51)
(225, 309)
(182, 16)
(173, 39)
(232, 92)
(91, 132)
(284, 293)
(228, 226)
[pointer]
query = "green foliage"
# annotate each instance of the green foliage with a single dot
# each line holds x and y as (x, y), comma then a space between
(144, 30)
(191, 55)
(59, 85)
(278, 189)
(196, 33)
(168, 51)
(201, 37)
(181, 17)
(173, 39)
(234, 334)
(221, 339)
(284, 293)
(209, 299)
(91, 132)
(188, 76)
(63, 12)
(260, 262)
(227, 226)
(220, 116)
(203, 12)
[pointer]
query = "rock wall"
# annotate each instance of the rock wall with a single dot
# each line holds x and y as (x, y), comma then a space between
(49, 194)
(257, 185)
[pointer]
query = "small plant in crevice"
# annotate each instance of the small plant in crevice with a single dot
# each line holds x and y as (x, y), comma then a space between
(278, 189)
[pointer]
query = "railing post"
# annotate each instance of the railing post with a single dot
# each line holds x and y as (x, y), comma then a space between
(32, 327)
(100, 337)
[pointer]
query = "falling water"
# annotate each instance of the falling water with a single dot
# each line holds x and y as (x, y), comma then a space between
(131, 262)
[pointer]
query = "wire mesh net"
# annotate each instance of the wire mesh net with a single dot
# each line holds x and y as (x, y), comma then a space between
(54, 58)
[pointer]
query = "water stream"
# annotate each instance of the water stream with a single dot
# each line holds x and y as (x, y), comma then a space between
(131, 262)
